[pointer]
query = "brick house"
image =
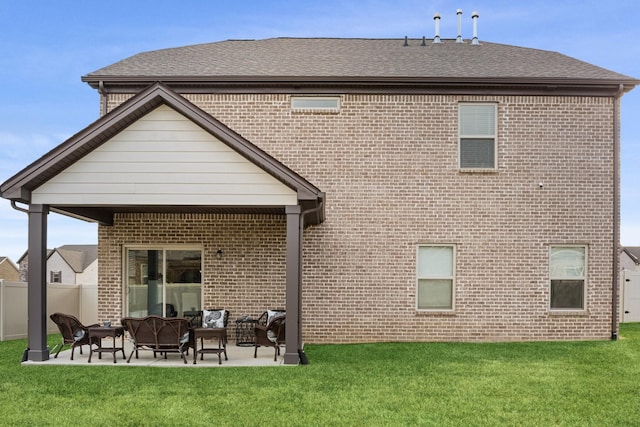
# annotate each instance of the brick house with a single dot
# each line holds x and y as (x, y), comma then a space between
(8, 270)
(378, 189)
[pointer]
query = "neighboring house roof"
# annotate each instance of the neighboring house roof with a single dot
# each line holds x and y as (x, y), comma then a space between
(633, 252)
(6, 267)
(19, 187)
(26, 255)
(8, 261)
(79, 257)
(363, 61)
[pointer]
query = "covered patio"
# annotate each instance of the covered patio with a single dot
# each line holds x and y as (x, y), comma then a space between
(106, 170)
(238, 357)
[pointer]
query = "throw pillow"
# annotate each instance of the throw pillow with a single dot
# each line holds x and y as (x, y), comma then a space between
(213, 318)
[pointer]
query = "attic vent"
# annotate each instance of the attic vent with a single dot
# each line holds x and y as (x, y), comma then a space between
(328, 104)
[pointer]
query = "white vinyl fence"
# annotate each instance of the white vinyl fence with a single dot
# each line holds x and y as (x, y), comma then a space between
(78, 300)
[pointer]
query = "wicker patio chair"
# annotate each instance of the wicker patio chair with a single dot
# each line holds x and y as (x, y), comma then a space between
(271, 335)
(73, 332)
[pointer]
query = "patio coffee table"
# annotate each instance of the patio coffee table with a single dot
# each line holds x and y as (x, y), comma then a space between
(96, 334)
(210, 334)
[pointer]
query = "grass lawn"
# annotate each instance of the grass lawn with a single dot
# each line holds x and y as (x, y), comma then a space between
(440, 384)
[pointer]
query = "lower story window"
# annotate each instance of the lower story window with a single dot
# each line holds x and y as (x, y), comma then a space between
(567, 273)
(435, 271)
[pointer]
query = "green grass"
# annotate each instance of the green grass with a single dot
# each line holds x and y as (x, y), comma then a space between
(439, 384)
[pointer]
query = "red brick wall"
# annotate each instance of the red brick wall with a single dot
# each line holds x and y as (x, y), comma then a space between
(388, 165)
(245, 280)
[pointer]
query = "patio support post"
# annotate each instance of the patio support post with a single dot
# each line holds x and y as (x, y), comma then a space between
(293, 277)
(37, 284)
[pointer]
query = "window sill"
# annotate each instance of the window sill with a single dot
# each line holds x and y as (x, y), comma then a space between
(569, 312)
(315, 111)
(479, 170)
(440, 313)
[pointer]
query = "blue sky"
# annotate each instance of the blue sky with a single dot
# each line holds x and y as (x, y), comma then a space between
(45, 47)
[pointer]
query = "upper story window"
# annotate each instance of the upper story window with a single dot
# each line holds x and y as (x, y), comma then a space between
(477, 132)
(567, 273)
(435, 271)
(56, 277)
(321, 104)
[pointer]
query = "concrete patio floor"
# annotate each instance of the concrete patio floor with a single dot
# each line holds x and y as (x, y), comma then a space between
(238, 356)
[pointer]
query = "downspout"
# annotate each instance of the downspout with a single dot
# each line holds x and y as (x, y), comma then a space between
(301, 353)
(616, 211)
(105, 99)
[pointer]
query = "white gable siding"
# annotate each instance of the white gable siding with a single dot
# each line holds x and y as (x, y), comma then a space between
(164, 159)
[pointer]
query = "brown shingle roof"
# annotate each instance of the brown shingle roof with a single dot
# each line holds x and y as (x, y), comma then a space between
(355, 58)
(79, 257)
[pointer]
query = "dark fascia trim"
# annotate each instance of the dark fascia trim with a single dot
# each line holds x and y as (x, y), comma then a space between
(288, 84)
(50, 164)
(19, 187)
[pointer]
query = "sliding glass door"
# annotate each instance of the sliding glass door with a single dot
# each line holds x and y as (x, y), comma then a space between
(163, 281)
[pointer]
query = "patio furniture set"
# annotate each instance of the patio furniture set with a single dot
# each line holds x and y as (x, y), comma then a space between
(204, 332)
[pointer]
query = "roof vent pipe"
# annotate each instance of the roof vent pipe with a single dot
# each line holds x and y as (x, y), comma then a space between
(475, 16)
(406, 41)
(436, 18)
(459, 38)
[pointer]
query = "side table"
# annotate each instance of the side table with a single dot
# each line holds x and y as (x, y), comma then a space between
(200, 334)
(96, 334)
(245, 332)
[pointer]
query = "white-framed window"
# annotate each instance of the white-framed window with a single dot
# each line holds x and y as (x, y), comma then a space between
(164, 280)
(477, 132)
(55, 277)
(328, 104)
(567, 277)
(435, 277)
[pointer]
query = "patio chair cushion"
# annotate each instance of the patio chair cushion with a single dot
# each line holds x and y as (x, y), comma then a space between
(79, 335)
